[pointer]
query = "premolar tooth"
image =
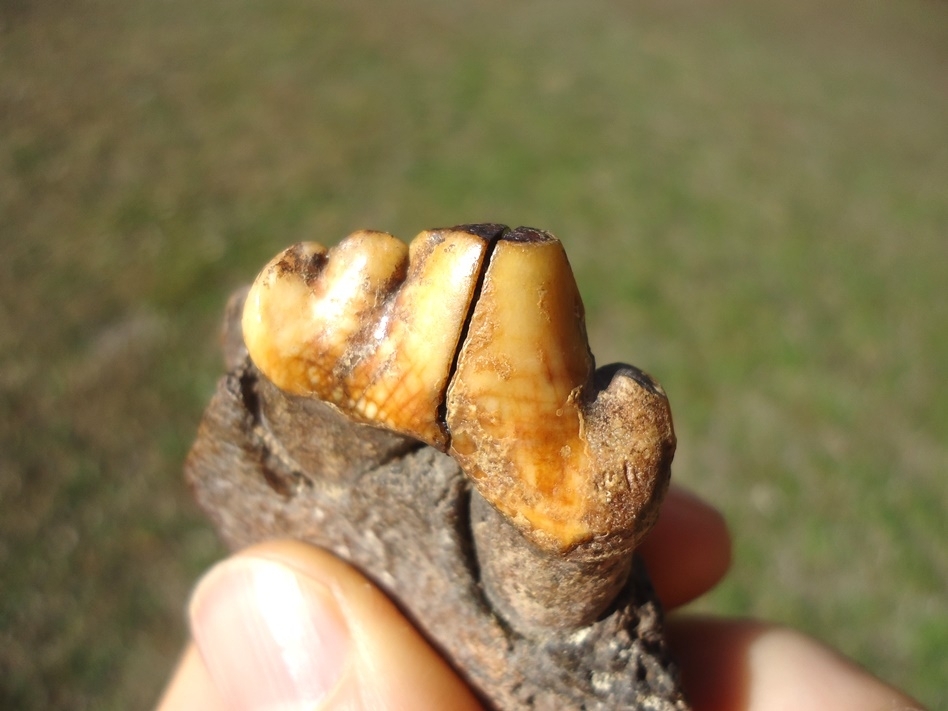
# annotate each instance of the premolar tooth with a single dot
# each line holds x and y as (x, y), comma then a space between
(370, 326)
(307, 309)
(513, 404)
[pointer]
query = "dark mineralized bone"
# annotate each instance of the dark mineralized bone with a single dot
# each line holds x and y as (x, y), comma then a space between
(406, 524)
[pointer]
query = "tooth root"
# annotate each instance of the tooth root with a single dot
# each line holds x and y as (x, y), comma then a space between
(513, 407)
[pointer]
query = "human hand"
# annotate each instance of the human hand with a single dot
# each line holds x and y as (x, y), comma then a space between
(285, 625)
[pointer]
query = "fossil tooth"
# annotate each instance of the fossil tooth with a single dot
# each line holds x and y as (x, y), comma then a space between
(309, 306)
(370, 326)
(473, 340)
(513, 406)
(540, 441)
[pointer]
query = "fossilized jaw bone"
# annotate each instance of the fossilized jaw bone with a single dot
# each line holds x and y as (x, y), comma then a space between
(473, 340)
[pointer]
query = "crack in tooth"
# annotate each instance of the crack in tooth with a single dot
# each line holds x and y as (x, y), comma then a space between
(492, 233)
(513, 407)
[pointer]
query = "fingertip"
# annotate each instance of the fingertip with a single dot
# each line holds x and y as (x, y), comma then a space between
(689, 550)
(191, 687)
(285, 624)
(743, 665)
(712, 655)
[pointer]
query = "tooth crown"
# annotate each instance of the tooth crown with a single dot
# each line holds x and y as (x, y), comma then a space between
(513, 406)
(370, 326)
(472, 340)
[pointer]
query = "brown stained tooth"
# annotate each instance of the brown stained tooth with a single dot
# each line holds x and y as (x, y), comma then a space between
(536, 585)
(410, 350)
(513, 403)
(524, 418)
(304, 309)
(370, 326)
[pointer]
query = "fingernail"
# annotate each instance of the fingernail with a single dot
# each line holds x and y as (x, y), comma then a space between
(269, 636)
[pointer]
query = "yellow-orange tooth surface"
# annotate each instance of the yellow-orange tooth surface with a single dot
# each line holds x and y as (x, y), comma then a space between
(513, 406)
(370, 326)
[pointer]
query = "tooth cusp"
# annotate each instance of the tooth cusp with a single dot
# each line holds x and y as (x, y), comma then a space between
(370, 326)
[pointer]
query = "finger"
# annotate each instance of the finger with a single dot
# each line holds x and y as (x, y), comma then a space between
(191, 687)
(730, 665)
(287, 625)
(688, 550)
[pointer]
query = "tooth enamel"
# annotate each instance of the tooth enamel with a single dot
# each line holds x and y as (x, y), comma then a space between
(308, 306)
(513, 403)
(409, 370)
(372, 327)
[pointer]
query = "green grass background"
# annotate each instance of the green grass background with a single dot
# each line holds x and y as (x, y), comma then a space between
(754, 197)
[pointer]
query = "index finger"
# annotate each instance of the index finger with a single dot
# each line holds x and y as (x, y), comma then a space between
(689, 549)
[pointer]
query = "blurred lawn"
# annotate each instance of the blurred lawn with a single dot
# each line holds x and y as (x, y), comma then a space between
(754, 197)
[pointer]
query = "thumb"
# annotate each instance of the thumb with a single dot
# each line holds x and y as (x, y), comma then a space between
(287, 626)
